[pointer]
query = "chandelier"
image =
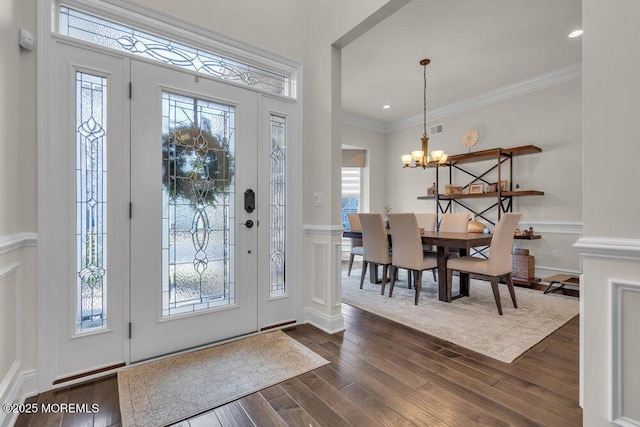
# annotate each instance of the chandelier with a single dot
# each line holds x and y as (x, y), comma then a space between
(419, 158)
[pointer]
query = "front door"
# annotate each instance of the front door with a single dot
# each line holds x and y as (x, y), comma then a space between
(194, 234)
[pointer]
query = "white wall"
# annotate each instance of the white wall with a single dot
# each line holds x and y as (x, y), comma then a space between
(374, 188)
(17, 204)
(611, 243)
(548, 118)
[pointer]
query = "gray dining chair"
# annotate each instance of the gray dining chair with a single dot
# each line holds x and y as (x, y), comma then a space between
(407, 250)
(356, 244)
(375, 242)
(497, 266)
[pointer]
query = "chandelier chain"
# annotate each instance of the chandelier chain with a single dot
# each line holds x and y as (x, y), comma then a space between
(425, 101)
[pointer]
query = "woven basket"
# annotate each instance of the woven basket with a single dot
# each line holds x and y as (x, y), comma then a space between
(523, 265)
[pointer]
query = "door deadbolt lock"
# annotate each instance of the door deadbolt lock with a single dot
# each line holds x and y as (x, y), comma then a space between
(248, 224)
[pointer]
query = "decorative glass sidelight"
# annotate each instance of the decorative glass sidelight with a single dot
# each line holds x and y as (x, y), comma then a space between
(278, 205)
(197, 204)
(91, 201)
(110, 34)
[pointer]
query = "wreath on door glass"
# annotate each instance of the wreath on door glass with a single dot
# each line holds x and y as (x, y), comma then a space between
(197, 165)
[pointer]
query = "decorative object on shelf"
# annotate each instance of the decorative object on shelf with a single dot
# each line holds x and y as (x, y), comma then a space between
(419, 158)
(492, 188)
(517, 233)
(476, 188)
(470, 138)
(503, 185)
(530, 231)
(450, 190)
(433, 190)
(475, 226)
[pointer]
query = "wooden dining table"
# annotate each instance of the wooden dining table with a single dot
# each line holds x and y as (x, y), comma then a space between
(444, 242)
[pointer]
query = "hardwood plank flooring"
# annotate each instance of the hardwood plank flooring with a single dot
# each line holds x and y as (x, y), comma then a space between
(381, 373)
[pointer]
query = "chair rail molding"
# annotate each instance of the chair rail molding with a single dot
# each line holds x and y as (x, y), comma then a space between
(333, 230)
(10, 242)
(555, 227)
(608, 247)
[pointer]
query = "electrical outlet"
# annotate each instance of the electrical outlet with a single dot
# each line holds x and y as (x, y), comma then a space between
(555, 254)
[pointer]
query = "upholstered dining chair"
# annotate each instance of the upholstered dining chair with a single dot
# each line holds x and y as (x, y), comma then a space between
(497, 266)
(376, 246)
(356, 244)
(428, 222)
(454, 222)
(407, 250)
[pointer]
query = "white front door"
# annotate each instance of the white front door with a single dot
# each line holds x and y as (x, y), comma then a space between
(194, 250)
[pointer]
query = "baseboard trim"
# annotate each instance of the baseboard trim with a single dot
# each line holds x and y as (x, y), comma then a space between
(25, 386)
(328, 324)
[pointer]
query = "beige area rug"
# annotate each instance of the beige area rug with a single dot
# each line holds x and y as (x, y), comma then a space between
(169, 390)
(472, 322)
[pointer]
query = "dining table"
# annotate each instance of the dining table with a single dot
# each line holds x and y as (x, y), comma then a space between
(445, 243)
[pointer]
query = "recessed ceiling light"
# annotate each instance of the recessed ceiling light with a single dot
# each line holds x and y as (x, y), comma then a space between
(576, 33)
(386, 106)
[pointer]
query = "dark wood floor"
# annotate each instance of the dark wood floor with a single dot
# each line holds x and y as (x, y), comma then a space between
(382, 373)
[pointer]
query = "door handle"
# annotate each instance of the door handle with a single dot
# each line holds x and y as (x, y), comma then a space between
(248, 223)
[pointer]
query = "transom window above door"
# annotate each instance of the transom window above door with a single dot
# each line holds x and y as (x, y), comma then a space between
(110, 34)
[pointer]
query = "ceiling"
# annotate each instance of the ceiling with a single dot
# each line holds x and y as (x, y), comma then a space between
(475, 46)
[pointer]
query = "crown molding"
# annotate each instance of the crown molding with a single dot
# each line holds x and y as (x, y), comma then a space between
(361, 122)
(532, 84)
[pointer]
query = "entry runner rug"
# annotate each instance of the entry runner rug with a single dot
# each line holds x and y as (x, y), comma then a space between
(172, 389)
(472, 322)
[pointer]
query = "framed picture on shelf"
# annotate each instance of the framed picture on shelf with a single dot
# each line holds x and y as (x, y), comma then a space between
(503, 186)
(476, 189)
(492, 188)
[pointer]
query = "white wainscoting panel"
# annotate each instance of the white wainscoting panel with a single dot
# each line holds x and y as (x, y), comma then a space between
(25, 386)
(336, 292)
(319, 272)
(10, 338)
(625, 353)
(10, 315)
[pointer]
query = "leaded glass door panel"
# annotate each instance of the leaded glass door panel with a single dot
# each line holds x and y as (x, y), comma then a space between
(193, 262)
